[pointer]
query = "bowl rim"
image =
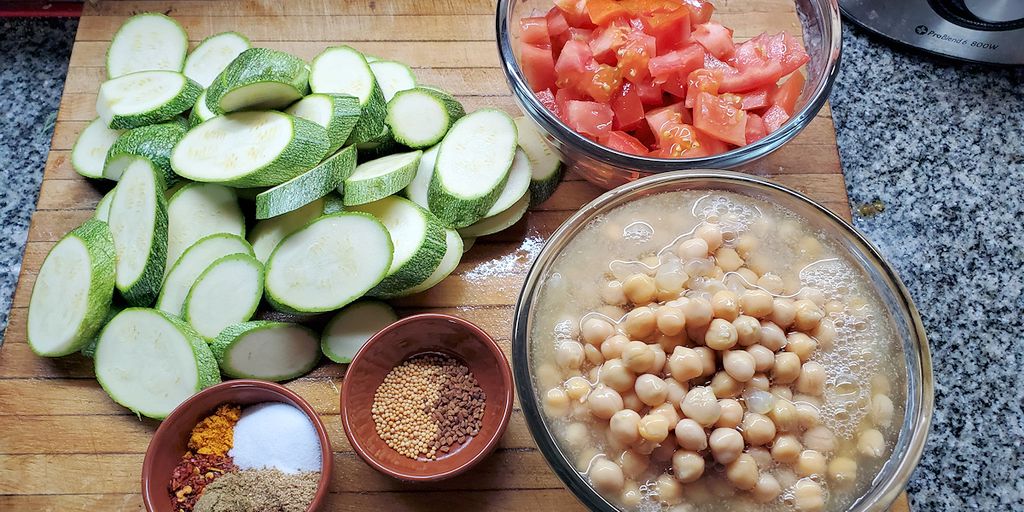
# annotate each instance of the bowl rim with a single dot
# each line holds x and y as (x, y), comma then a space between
(554, 126)
(477, 334)
(229, 387)
(563, 467)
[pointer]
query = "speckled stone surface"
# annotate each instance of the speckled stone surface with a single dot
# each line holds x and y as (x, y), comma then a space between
(940, 145)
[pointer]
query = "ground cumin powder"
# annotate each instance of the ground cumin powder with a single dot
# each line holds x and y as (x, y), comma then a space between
(259, 490)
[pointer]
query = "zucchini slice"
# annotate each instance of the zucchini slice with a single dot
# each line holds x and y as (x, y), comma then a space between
(90, 150)
(264, 350)
(197, 210)
(138, 223)
(343, 70)
(454, 248)
(468, 243)
(518, 184)
(472, 166)
(226, 293)
(418, 188)
(258, 79)
(352, 327)
(544, 162)
(154, 143)
(73, 290)
(380, 146)
(392, 76)
(200, 112)
(250, 149)
(499, 222)
(338, 113)
(329, 263)
(148, 41)
(418, 238)
(103, 207)
(266, 234)
(197, 258)
(308, 186)
(380, 178)
(213, 55)
(419, 117)
(150, 362)
(145, 97)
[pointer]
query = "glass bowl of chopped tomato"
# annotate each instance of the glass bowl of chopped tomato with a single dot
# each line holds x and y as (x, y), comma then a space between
(628, 88)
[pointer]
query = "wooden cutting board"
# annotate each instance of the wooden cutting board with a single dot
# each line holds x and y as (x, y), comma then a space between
(65, 446)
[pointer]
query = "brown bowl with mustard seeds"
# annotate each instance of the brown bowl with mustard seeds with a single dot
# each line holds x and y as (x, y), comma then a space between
(426, 398)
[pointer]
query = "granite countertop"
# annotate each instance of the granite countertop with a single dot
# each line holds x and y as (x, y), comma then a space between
(939, 145)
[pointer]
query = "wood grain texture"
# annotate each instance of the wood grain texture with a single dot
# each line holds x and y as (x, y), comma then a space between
(65, 446)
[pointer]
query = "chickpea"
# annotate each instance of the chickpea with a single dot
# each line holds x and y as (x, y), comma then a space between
(690, 435)
(820, 439)
(764, 359)
(784, 415)
(639, 289)
(721, 335)
(726, 444)
(728, 259)
(617, 376)
(669, 412)
(659, 358)
(808, 315)
(732, 413)
(670, 280)
(596, 330)
(880, 384)
(825, 334)
(577, 434)
(676, 390)
(707, 359)
(725, 305)
(670, 320)
(781, 391)
(556, 402)
(662, 454)
(787, 368)
(745, 244)
(742, 472)
(631, 401)
(685, 364)
(633, 464)
(614, 312)
(606, 476)
(612, 347)
(548, 376)
(759, 381)
(834, 306)
(748, 275)
(612, 294)
(650, 389)
(669, 343)
(569, 355)
(786, 449)
(639, 323)
(767, 489)
(692, 249)
(761, 456)
(638, 357)
(631, 495)
(807, 415)
(739, 365)
(670, 491)
(653, 428)
(698, 312)
(871, 443)
(696, 333)
(801, 345)
(881, 410)
(810, 463)
(842, 471)
(604, 402)
(771, 283)
(701, 405)
(577, 388)
(812, 379)
(711, 233)
(687, 466)
(808, 496)
(756, 303)
(772, 336)
(748, 330)
(783, 313)
(757, 429)
(593, 355)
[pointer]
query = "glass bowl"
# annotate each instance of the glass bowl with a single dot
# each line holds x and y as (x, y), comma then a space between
(849, 243)
(820, 27)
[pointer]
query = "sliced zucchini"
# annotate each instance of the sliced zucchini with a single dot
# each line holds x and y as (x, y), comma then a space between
(418, 238)
(499, 222)
(544, 162)
(250, 149)
(200, 112)
(392, 76)
(467, 244)
(420, 184)
(90, 150)
(518, 184)
(103, 207)
(213, 55)
(380, 146)
(72, 291)
(198, 210)
(343, 70)
(154, 143)
(266, 234)
(472, 166)
(454, 249)
(89, 349)
(380, 178)
(150, 362)
(419, 117)
(226, 293)
(263, 350)
(352, 327)
(329, 263)
(308, 186)
(338, 113)
(147, 41)
(138, 223)
(258, 79)
(197, 258)
(145, 97)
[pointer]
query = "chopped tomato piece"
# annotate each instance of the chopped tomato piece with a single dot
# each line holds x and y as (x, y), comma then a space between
(562, 99)
(706, 145)
(660, 118)
(627, 107)
(788, 92)
(758, 98)
(700, 11)
(589, 117)
(676, 86)
(603, 11)
(715, 38)
(676, 140)
(575, 12)
(755, 128)
(720, 118)
(774, 118)
(602, 83)
(624, 142)
(538, 66)
(650, 93)
(678, 63)
(763, 60)
(635, 55)
(557, 25)
(605, 40)
(700, 81)
(534, 30)
(547, 98)
(572, 62)
(669, 23)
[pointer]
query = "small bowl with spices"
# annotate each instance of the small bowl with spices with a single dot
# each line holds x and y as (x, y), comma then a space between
(426, 398)
(238, 446)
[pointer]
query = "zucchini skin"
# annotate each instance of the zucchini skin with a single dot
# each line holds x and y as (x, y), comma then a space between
(154, 143)
(307, 187)
(222, 344)
(254, 66)
(144, 291)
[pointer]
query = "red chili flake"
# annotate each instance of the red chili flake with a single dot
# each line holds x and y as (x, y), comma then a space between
(192, 475)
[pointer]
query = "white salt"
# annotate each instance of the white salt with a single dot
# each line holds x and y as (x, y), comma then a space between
(276, 435)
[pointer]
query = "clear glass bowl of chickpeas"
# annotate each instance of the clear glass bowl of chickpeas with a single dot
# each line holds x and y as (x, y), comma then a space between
(708, 340)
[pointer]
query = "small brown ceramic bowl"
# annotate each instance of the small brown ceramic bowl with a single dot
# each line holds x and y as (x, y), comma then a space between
(412, 336)
(171, 439)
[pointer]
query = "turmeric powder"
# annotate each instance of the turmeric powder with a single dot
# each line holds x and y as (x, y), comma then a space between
(215, 435)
